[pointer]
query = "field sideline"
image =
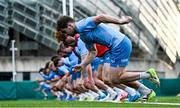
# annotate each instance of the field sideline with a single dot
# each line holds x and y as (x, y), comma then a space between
(158, 102)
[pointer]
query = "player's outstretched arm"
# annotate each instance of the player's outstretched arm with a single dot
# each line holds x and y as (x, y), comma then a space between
(104, 18)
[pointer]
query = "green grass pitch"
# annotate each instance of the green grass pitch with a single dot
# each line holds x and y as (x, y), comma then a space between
(158, 102)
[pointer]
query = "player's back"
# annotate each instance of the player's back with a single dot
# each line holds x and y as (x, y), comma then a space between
(91, 32)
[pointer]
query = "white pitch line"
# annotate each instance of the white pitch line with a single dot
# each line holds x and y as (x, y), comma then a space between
(161, 103)
(153, 103)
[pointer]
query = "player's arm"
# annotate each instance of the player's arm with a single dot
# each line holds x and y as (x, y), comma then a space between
(45, 76)
(55, 79)
(90, 56)
(86, 61)
(65, 77)
(104, 18)
(66, 74)
(88, 69)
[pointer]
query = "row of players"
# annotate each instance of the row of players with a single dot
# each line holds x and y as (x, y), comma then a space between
(64, 81)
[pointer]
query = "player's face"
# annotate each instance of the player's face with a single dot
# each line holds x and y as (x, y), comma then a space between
(68, 49)
(52, 67)
(60, 62)
(70, 29)
(66, 52)
(70, 41)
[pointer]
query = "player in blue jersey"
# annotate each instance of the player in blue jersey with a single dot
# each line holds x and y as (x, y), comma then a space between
(49, 75)
(43, 87)
(93, 30)
(49, 78)
(76, 54)
(80, 50)
(101, 50)
(60, 66)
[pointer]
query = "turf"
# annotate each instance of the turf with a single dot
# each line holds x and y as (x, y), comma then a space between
(86, 104)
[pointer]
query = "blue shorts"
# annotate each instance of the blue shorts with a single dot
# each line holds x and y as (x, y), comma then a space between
(120, 55)
(105, 58)
(76, 75)
(100, 61)
(95, 63)
(73, 76)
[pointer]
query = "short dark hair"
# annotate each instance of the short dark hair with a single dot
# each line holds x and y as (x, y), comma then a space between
(41, 69)
(61, 46)
(47, 65)
(54, 57)
(56, 62)
(63, 21)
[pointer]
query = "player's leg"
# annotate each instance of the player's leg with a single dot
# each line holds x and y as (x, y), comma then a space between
(119, 60)
(119, 88)
(136, 85)
(98, 82)
(100, 72)
(95, 89)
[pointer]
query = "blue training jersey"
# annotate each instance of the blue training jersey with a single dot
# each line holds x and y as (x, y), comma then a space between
(80, 49)
(49, 76)
(62, 70)
(91, 32)
(67, 62)
(74, 60)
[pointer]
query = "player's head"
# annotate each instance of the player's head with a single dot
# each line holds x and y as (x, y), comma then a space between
(64, 51)
(66, 25)
(58, 62)
(59, 36)
(51, 66)
(41, 70)
(70, 41)
(54, 57)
